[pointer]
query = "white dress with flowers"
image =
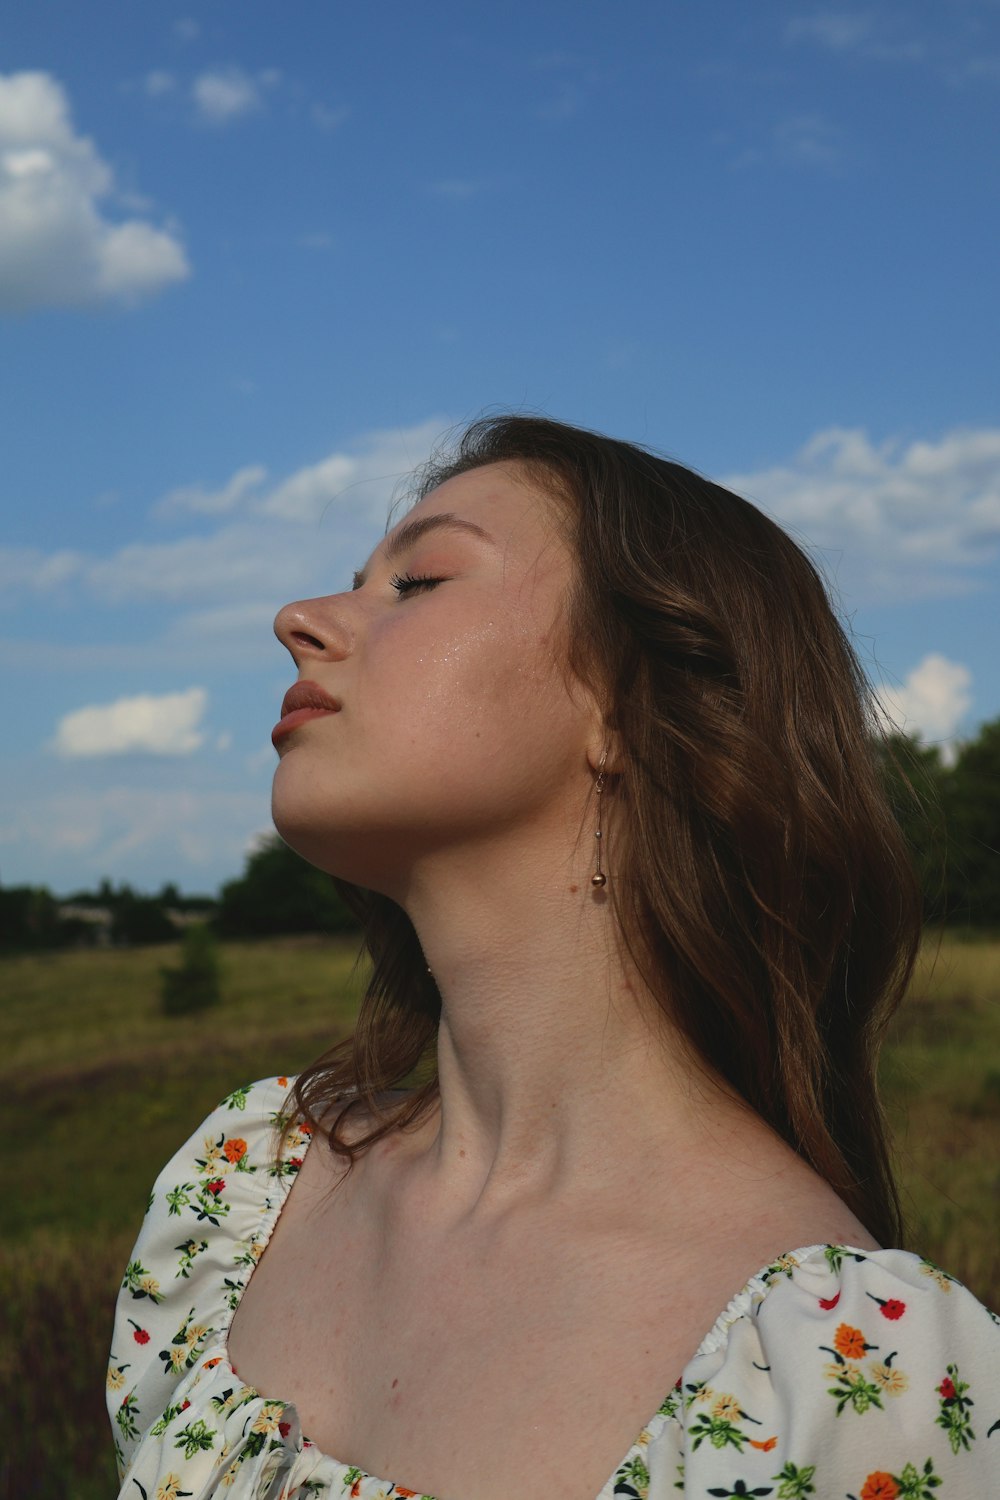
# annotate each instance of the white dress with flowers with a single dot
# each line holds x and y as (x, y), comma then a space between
(867, 1375)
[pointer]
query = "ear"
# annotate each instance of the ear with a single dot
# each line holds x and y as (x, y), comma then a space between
(604, 752)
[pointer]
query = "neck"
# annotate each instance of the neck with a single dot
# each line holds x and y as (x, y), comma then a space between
(556, 1069)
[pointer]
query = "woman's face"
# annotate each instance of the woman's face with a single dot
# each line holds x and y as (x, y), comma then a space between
(457, 719)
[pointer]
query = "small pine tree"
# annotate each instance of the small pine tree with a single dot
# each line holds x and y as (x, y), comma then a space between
(194, 984)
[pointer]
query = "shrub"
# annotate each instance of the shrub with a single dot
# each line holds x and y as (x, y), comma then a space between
(194, 983)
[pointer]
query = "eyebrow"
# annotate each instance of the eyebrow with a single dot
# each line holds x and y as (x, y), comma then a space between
(409, 534)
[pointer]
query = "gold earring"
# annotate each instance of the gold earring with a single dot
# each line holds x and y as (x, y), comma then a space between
(599, 879)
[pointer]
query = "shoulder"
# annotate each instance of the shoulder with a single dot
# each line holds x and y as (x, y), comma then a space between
(210, 1213)
(835, 1371)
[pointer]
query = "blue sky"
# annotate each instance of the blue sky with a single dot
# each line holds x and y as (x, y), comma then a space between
(256, 260)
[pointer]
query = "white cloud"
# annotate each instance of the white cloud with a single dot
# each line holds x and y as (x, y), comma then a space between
(197, 499)
(326, 118)
(854, 32)
(146, 724)
(910, 520)
(158, 83)
(225, 94)
(27, 568)
(56, 246)
(362, 477)
(805, 140)
(186, 29)
(932, 700)
(184, 833)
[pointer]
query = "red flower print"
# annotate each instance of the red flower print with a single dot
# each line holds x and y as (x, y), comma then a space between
(893, 1308)
(284, 1428)
(879, 1486)
(216, 1187)
(827, 1302)
(235, 1149)
(355, 1489)
(947, 1389)
(141, 1336)
(295, 1161)
(185, 1405)
(305, 1127)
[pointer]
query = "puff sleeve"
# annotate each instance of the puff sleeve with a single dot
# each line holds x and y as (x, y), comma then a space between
(209, 1217)
(837, 1373)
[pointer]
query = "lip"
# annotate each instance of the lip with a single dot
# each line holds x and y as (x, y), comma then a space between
(302, 702)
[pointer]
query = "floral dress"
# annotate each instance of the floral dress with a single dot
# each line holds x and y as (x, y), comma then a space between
(867, 1375)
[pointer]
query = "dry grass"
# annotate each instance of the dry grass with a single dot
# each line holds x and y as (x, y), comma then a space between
(98, 1088)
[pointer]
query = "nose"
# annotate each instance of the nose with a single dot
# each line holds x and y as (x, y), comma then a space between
(314, 628)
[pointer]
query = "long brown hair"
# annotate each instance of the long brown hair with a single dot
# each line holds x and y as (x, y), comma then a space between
(761, 882)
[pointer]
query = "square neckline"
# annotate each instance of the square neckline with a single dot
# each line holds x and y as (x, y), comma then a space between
(219, 1356)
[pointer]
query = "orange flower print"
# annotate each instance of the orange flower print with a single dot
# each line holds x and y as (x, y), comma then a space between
(235, 1149)
(850, 1342)
(879, 1486)
(283, 1082)
(766, 1446)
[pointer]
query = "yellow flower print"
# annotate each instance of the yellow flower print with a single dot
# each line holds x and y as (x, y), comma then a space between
(705, 1394)
(116, 1378)
(170, 1488)
(229, 1477)
(149, 1285)
(893, 1382)
(213, 1154)
(785, 1263)
(728, 1408)
(643, 1437)
(270, 1415)
(178, 1354)
(943, 1280)
(194, 1333)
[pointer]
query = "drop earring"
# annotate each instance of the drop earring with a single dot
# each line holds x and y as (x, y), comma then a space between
(598, 880)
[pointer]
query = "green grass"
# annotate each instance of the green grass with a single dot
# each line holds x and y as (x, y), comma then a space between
(98, 1089)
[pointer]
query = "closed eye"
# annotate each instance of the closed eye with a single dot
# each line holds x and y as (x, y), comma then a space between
(406, 583)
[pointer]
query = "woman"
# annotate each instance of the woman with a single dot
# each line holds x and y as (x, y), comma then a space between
(588, 752)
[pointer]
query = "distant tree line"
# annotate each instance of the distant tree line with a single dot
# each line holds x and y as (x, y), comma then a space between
(949, 811)
(277, 893)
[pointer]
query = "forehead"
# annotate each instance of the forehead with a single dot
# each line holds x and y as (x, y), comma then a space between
(500, 497)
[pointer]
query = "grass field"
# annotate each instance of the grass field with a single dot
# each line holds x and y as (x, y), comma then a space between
(99, 1089)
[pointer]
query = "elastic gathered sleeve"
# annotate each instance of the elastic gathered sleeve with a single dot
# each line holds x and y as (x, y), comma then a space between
(839, 1375)
(209, 1217)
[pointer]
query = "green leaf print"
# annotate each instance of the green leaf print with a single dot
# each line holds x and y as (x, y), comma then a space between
(125, 1417)
(632, 1479)
(179, 1197)
(237, 1099)
(140, 1283)
(954, 1405)
(720, 1432)
(739, 1491)
(796, 1483)
(917, 1486)
(852, 1389)
(196, 1437)
(161, 1424)
(188, 1250)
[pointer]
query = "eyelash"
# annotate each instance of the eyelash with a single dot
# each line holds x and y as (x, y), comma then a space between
(407, 583)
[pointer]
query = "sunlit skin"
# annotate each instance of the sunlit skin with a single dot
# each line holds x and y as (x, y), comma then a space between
(458, 779)
(582, 1200)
